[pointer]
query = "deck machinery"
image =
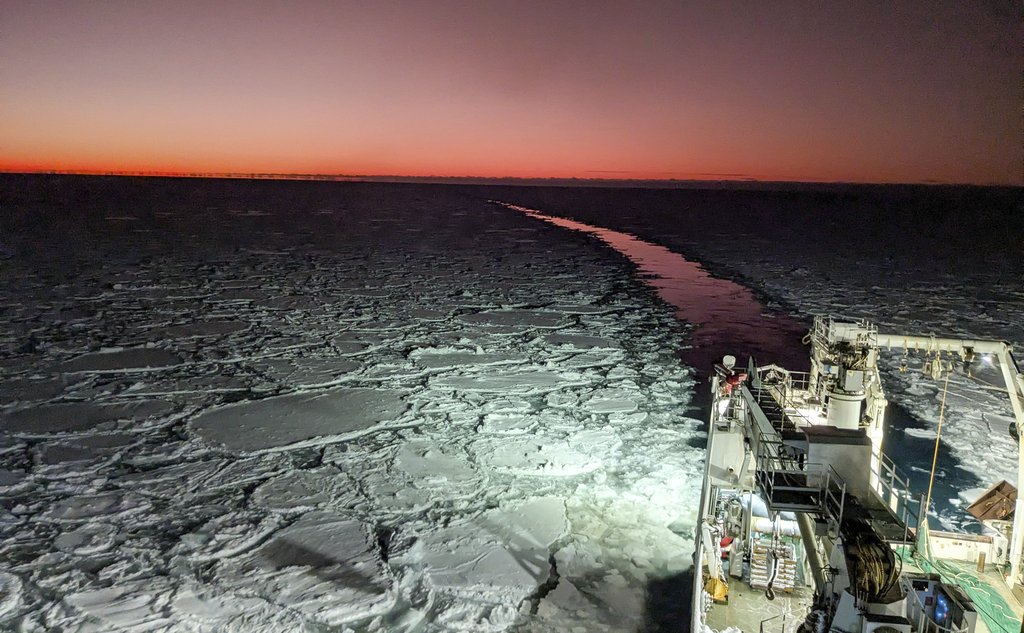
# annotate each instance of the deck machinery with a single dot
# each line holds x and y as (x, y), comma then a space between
(807, 524)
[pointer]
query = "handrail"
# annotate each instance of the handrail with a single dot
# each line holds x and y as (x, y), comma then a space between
(891, 485)
(782, 392)
(827, 331)
(893, 488)
(826, 488)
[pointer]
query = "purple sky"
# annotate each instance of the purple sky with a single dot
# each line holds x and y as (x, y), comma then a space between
(904, 91)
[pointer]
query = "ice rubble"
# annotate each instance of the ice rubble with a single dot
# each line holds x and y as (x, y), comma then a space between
(404, 412)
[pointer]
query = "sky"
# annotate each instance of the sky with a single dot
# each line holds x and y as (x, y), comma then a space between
(906, 91)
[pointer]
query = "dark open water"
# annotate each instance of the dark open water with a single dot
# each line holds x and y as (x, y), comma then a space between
(726, 317)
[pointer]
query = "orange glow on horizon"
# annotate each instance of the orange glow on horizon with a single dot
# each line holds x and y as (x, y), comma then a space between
(659, 91)
(327, 174)
(524, 172)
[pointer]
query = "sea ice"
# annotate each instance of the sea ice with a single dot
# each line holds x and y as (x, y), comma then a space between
(501, 553)
(283, 421)
(219, 327)
(527, 320)
(324, 565)
(139, 359)
(415, 413)
(81, 416)
(505, 381)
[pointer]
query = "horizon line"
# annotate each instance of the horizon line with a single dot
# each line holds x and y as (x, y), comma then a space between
(436, 179)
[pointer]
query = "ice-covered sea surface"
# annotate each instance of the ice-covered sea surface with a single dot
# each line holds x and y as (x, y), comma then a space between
(942, 260)
(271, 406)
(237, 406)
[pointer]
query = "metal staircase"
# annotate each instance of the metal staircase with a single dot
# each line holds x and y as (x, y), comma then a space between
(789, 484)
(786, 482)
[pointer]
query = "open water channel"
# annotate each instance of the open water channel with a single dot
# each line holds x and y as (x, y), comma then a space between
(728, 318)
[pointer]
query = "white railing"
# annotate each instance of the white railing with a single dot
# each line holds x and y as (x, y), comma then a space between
(825, 332)
(783, 386)
(820, 485)
(893, 488)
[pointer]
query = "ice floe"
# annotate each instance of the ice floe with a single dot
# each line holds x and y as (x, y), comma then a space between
(71, 417)
(415, 413)
(139, 359)
(284, 421)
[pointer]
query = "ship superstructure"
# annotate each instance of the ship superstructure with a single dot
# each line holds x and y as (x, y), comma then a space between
(806, 523)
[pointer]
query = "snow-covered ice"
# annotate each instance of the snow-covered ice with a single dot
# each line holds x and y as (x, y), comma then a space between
(297, 407)
(298, 419)
(271, 406)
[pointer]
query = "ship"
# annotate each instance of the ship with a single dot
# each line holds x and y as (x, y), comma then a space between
(807, 525)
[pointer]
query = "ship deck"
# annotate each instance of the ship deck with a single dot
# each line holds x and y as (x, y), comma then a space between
(748, 608)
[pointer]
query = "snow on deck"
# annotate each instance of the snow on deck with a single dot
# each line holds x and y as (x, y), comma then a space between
(406, 412)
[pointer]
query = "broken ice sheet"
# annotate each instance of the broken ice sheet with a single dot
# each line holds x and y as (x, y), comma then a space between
(454, 358)
(81, 416)
(326, 566)
(429, 466)
(507, 423)
(307, 489)
(302, 418)
(506, 381)
(85, 449)
(526, 319)
(534, 455)
(306, 372)
(201, 329)
(297, 507)
(502, 555)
